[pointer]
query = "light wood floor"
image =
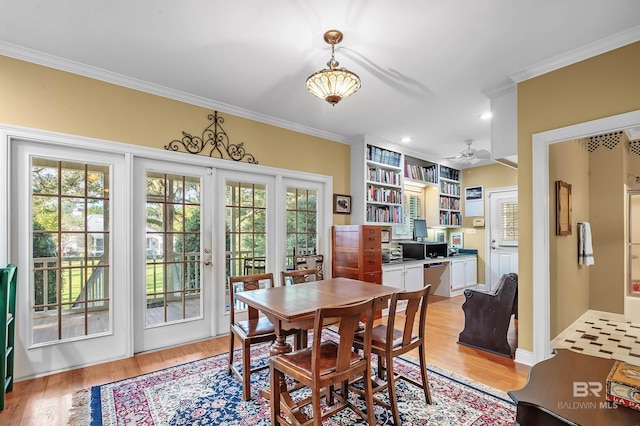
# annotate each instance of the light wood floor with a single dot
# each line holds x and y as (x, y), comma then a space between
(47, 400)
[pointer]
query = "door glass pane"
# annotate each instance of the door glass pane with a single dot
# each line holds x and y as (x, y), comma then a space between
(70, 233)
(508, 222)
(173, 240)
(301, 206)
(246, 230)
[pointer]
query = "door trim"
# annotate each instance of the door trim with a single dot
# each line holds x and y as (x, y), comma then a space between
(540, 193)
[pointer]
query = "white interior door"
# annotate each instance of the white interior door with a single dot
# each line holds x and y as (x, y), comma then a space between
(172, 267)
(502, 235)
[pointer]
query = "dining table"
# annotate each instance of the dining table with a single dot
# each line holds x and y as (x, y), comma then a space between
(294, 306)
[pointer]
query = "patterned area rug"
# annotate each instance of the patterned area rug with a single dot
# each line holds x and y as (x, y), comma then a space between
(201, 393)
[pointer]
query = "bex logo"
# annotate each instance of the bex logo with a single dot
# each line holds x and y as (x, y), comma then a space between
(583, 389)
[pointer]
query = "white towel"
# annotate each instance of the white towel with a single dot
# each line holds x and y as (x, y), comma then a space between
(585, 247)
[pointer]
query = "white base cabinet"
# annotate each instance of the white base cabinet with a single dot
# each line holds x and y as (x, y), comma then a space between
(464, 274)
(448, 277)
(408, 277)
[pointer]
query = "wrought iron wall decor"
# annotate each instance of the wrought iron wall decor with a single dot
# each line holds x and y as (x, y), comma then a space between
(214, 135)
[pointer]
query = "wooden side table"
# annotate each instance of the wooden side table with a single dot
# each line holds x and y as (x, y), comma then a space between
(549, 397)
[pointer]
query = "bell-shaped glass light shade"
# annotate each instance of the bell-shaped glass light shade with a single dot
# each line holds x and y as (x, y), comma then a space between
(333, 85)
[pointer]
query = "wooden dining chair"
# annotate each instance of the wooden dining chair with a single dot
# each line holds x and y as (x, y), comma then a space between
(255, 329)
(396, 338)
(310, 261)
(323, 366)
(298, 276)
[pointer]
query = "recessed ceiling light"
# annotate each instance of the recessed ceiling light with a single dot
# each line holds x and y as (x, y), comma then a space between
(486, 115)
(406, 139)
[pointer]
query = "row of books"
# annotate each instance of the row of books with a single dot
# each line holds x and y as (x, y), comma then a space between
(425, 174)
(377, 174)
(450, 218)
(384, 156)
(449, 173)
(384, 195)
(449, 188)
(450, 203)
(384, 214)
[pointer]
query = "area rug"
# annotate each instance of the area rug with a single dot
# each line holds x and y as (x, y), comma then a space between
(201, 393)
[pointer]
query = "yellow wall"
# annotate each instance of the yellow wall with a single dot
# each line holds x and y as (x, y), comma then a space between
(607, 217)
(39, 97)
(569, 282)
(490, 177)
(601, 86)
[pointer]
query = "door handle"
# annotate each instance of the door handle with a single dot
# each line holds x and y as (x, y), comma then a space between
(207, 260)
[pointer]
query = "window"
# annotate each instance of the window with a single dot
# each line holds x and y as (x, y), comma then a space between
(302, 232)
(70, 254)
(172, 248)
(509, 222)
(413, 201)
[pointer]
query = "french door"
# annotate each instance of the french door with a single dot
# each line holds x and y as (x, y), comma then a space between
(248, 245)
(172, 254)
(67, 209)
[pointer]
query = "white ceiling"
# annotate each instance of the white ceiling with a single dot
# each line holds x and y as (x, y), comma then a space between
(427, 66)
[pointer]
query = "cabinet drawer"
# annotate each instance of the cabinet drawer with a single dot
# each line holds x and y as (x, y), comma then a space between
(372, 277)
(371, 238)
(372, 260)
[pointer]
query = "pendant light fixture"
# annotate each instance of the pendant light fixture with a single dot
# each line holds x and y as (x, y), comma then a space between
(333, 84)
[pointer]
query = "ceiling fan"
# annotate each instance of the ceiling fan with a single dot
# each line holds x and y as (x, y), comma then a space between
(470, 155)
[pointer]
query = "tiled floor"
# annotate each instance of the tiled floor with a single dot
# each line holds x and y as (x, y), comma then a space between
(604, 338)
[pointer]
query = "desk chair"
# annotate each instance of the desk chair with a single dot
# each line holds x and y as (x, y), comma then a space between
(311, 261)
(324, 365)
(389, 342)
(256, 329)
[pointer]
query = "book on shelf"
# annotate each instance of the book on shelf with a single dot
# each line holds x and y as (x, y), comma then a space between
(422, 173)
(383, 156)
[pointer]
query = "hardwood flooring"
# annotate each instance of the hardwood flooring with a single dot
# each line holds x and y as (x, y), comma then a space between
(47, 400)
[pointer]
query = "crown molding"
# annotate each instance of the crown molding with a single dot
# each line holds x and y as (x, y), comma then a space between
(56, 62)
(580, 54)
(500, 89)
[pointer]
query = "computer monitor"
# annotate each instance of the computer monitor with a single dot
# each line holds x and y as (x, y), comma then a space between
(419, 229)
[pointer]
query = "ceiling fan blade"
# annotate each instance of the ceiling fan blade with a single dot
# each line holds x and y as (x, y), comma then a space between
(457, 157)
(483, 154)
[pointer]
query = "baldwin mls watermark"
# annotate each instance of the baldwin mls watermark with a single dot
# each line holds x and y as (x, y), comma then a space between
(585, 390)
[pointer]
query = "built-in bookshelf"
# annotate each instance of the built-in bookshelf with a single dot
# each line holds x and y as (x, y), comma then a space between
(420, 171)
(376, 185)
(449, 199)
(379, 174)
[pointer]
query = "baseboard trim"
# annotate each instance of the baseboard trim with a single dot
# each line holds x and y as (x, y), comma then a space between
(525, 357)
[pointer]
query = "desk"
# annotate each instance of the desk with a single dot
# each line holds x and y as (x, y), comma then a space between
(294, 306)
(547, 398)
